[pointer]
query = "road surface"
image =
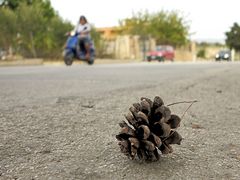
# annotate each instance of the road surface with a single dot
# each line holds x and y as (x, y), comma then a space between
(60, 122)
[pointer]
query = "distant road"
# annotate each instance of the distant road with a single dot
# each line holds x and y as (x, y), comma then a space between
(60, 122)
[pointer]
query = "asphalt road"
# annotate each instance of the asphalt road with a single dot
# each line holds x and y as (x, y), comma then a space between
(60, 122)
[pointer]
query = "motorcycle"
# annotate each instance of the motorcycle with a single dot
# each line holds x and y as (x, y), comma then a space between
(75, 50)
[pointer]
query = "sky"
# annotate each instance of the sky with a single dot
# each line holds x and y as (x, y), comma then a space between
(208, 19)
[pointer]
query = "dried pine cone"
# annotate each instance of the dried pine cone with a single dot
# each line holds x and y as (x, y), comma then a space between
(150, 130)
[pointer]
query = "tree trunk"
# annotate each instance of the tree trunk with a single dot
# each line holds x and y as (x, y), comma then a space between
(33, 50)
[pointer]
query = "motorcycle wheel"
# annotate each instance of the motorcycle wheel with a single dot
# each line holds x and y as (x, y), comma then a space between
(162, 59)
(68, 59)
(91, 62)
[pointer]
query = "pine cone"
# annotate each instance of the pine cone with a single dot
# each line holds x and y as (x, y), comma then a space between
(149, 131)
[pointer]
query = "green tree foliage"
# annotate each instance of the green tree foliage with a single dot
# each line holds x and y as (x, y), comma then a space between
(12, 4)
(33, 29)
(201, 53)
(43, 35)
(8, 28)
(233, 37)
(99, 43)
(165, 27)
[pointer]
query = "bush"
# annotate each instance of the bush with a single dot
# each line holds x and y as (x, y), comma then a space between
(201, 53)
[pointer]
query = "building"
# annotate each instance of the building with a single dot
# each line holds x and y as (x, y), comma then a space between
(110, 33)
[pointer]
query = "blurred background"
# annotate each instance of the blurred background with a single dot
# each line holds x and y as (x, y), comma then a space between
(35, 29)
(59, 122)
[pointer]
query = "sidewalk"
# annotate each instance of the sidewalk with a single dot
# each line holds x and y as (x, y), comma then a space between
(28, 62)
(34, 62)
(38, 62)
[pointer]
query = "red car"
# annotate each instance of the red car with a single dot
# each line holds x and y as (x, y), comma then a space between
(163, 52)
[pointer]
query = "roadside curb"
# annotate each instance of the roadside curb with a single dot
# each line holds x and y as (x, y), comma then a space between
(35, 62)
(30, 62)
(97, 61)
(39, 62)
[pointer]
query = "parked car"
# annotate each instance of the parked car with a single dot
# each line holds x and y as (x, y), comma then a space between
(162, 53)
(223, 55)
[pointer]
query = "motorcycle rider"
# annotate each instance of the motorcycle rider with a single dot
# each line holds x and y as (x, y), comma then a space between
(83, 29)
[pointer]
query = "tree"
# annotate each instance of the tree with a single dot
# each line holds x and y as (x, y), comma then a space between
(165, 27)
(8, 28)
(42, 34)
(48, 11)
(233, 37)
(99, 43)
(33, 29)
(12, 4)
